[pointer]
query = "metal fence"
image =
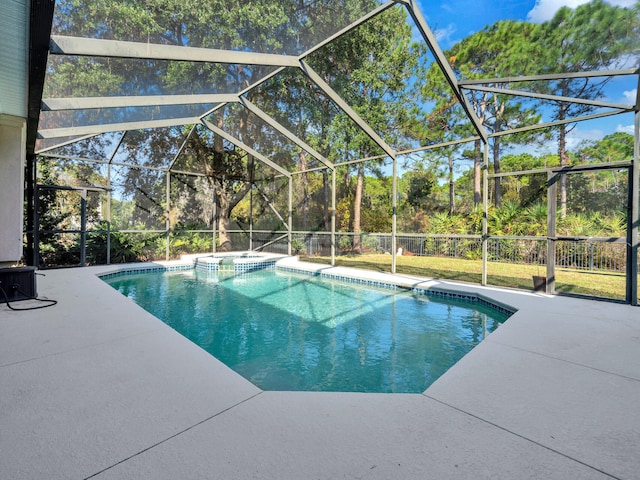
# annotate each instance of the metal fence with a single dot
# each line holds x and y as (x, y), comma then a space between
(593, 254)
(606, 254)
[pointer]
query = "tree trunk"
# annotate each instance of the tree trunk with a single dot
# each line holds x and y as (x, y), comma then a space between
(452, 196)
(327, 200)
(564, 159)
(227, 197)
(326, 239)
(496, 169)
(305, 189)
(480, 106)
(477, 173)
(357, 204)
(221, 196)
(224, 220)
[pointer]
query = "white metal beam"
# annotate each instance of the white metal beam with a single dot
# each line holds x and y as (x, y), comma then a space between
(184, 144)
(284, 131)
(81, 103)
(539, 126)
(94, 47)
(441, 60)
(115, 127)
(64, 144)
(348, 28)
(555, 98)
(316, 47)
(551, 76)
(245, 147)
(346, 108)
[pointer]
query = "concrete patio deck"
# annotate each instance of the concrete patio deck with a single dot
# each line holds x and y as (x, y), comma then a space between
(95, 387)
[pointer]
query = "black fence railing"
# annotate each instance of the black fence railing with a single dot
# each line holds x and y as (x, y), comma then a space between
(593, 254)
(596, 254)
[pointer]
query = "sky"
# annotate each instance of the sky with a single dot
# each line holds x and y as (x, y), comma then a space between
(453, 20)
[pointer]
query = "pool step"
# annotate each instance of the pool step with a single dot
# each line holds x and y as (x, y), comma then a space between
(234, 263)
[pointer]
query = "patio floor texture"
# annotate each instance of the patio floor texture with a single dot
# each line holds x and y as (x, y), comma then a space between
(95, 387)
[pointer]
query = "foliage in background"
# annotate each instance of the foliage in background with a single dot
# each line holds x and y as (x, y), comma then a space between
(123, 248)
(376, 68)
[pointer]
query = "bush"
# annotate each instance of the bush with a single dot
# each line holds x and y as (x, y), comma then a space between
(371, 243)
(345, 243)
(298, 247)
(185, 242)
(123, 249)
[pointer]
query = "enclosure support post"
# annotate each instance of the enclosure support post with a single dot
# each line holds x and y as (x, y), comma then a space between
(629, 251)
(485, 211)
(215, 219)
(634, 187)
(83, 228)
(168, 221)
(109, 214)
(30, 198)
(394, 205)
(36, 225)
(251, 218)
(113, 155)
(333, 217)
(290, 218)
(552, 208)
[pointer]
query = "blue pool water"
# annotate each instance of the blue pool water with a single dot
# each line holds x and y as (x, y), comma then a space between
(288, 331)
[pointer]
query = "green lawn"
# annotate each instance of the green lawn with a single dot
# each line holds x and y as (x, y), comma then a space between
(607, 285)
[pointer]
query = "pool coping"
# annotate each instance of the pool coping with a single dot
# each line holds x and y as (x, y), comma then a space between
(416, 285)
(387, 280)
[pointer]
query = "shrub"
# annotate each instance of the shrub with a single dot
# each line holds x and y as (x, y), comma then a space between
(371, 243)
(123, 249)
(345, 243)
(298, 247)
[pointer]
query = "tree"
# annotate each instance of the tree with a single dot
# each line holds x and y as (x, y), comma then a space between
(279, 27)
(291, 100)
(502, 50)
(594, 36)
(526, 190)
(603, 191)
(376, 214)
(370, 68)
(445, 122)
(420, 183)
(616, 147)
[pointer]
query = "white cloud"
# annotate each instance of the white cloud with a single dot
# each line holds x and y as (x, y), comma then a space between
(625, 129)
(545, 9)
(630, 95)
(446, 7)
(577, 137)
(443, 35)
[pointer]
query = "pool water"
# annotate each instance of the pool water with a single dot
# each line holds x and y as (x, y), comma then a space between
(288, 331)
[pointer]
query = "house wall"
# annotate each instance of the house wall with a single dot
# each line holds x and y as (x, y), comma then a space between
(12, 154)
(14, 57)
(13, 114)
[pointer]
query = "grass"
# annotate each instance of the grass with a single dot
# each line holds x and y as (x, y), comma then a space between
(598, 284)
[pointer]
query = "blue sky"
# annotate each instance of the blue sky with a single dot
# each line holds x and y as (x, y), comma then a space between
(452, 20)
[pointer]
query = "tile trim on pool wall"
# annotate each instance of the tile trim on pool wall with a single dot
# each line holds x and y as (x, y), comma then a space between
(436, 292)
(144, 269)
(244, 264)
(271, 265)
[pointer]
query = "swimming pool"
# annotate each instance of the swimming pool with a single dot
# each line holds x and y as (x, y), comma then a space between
(291, 331)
